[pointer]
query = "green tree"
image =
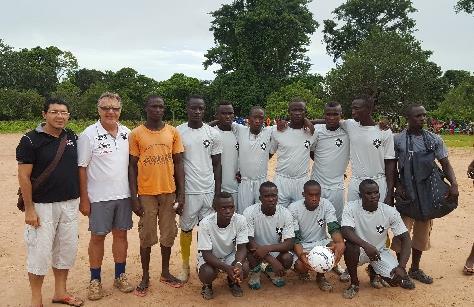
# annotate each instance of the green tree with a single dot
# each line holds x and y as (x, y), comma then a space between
(84, 78)
(459, 103)
(455, 77)
(391, 67)
(356, 19)
(16, 104)
(464, 6)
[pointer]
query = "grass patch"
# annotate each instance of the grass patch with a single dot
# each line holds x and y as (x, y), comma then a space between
(458, 140)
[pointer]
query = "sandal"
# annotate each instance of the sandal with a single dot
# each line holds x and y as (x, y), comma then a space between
(420, 276)
(276, 280)
(351, 292)
(70, 300)
(324, 284)
(142, 289)
(468, 270)
(207, 292)
(304, 276)
(235, 289)
(407, 283)
(172, 281)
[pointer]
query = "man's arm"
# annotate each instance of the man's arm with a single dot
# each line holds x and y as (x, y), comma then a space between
(453, 192)
(217, 169)
(179, 180)
(132, 181)
(24, 175)
(349, 234)
(338, 246)
(84, 204)
(390, 175)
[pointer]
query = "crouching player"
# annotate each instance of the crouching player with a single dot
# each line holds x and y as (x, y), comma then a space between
(271, 233)
(313, 218)
(365, 223)
(222, 240)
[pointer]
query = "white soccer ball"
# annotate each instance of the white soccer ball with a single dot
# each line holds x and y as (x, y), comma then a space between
(321, 259)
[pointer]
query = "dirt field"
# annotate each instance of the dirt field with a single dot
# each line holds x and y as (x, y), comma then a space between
(452, 238)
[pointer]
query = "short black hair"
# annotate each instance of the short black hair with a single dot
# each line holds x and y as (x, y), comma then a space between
(410, 108)
(267, 184)
(368, 100)
(54, 100)
(191, 97)
(332, 104)
(366, 182)
(151, 97)
(223, 195)
(310, 183)
(253, 108)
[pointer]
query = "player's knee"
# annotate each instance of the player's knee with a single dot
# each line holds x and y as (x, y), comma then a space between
(352, 251)
(119, 234)
(207, 273)
(97, 238)
(299, 267)
(286, 260)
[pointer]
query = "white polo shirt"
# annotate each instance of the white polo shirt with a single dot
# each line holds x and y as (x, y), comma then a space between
(106, 160)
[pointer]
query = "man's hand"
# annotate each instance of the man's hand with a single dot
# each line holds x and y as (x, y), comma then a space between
(398, 273)
(338, 249)
(277, 267)
(281, 124)
(401, 192)
(304, 259)
(238, 177)
(85, 206)
(238, 276)
(308, 126)
(453, 193)
(260, 252)
(384, 124)
(389, 199)
(137, 207)
(372, 252)
(31, 218)
(180, 201)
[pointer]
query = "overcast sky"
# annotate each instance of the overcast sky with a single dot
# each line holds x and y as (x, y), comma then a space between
(159, 38)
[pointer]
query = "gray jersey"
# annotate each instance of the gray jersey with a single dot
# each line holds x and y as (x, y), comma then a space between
(292, 147)
(312, 224)
(222, 241)
(199, 145)
(370, 146)
(267, 230)
(229, 160)
(372, 227)
(331, 157)
(254, 151)
(434, 142)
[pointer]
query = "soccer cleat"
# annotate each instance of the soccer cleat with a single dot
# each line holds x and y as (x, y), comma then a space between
(184, 275)
(95, 291)
(122, 284)
(254, 280)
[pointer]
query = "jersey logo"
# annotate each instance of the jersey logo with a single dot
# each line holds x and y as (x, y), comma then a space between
(206, 143)
(104, 145)
(279, 231)
(237, 146)
(102, 137)
(123, 135)
(380, 229)
(339, 142)
(377, 143)
(321, 222)
(234, 240)
(263, 146)
(307, 144)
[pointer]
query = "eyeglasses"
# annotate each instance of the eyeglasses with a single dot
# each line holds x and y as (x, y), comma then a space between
(56, 113)
(105, 108)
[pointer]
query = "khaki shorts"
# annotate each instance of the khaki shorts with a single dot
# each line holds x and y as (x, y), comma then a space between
(420, 234)
(157, 209)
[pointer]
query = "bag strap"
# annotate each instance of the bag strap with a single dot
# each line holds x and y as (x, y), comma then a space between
(50, 168)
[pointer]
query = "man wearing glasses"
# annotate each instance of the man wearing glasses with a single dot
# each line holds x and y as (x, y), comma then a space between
(51, 208)
(105, 193)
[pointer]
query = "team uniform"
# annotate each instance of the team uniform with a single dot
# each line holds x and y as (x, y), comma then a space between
(372, 227)
(312, 224)
(331, 157)
(229, 161)
(199, 145)
(369, 147)
(267, 230)
(106, 161)
(221, 241)
(292, 147)
(253, 159)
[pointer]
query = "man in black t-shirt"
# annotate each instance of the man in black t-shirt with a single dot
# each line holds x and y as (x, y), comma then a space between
(51, 211)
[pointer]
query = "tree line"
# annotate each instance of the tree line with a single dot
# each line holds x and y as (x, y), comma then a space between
(260, 49)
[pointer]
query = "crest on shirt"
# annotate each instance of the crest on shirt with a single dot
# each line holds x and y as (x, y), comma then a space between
(237, 146)
(263, 146)
(380, 229)
(123, 135)
(307, 144)
(206, 143)
(279, 231)
(320, 222)
(377, 143)
(339, 142)
(69, 143)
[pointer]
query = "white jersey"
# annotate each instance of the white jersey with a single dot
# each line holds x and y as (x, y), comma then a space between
(222, 241)
(312, 224)
(106, 159)
(229, 160)
(199, 145)
(254, 151)
(372, 227)
(292, 147)
(370, 146)
(267, 230)
(331, 157)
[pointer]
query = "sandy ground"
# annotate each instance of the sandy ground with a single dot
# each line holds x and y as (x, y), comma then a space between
(452, 238)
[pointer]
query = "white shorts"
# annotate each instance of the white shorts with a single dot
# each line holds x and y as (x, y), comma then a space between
(54, 242)
(307, 247)
(249, 193)
(229, 259)
(353, 191)
(384, 266)
(289, 189)
(336, 197)
(196, 207)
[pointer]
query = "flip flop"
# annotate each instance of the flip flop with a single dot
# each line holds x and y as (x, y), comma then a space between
(141, 290)
(176, 283)
(468, 271)
(70, 300)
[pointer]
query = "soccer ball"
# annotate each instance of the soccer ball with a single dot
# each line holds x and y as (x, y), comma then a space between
(321, 259)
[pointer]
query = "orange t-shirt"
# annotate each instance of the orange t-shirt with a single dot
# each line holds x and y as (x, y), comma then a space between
(155, 150)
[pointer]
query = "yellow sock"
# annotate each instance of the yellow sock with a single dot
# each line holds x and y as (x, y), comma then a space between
(185, 240)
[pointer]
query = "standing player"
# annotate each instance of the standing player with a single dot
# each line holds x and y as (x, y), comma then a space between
(314, 217)
(292, 147)
(469, 266)
(365, 223)
(372, 152)
(156, 178)
(105, 193)
(222, 241)
(203, 173)
(271, 233)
